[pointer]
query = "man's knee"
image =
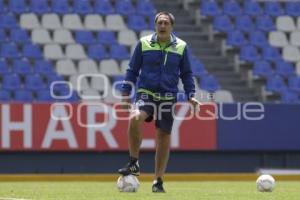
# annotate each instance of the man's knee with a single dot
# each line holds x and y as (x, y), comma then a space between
(138, 117)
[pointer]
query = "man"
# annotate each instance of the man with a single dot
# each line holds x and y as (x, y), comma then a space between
(159, 60)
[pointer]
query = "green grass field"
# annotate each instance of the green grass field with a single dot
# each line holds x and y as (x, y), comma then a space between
(285, 190)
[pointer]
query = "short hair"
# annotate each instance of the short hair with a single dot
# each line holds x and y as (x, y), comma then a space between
(170, 15)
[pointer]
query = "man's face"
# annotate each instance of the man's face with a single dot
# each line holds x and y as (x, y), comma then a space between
(163, 28)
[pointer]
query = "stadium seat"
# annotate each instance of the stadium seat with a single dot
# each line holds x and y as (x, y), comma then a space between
(41, 36)
(249, 53)
(109, 67)
(82, 7)
(43, 67)
(258, 39)
(22, 66)
(66, 67)
(115, 22)
(271, 53)
(5, 95)
(292, 8)
(236, 38)
(61, 7)
(18, 35)
(223, 96)
(10, 50)
(72, 22)
(44, 96)
(209, 83)
(32, 51)
(51, 21)
(99, 84)
(17, 6)
(291, 53)
(63, 36)
(288, 96)
(29, 21)
(294, 83)
(145, 8)
(222, 23)
(278, 39)
(127, 37)
(273, 8)
(284, 69)
(75, 52)
(4, 68)
(124, 7)
(119, 52)
(265, 23)
(93, 22)
(97, 52)
(232, 8)
(124, 66)
(34, 82)
(262, 68)
(106, 37)
(210, 8)
(145, 33)
(275, 84)
(3, 37)
(84, 37)
(198, 68)
(88, 66)
(104, 7)
(90, 94)
(3, 7)
(39, 6)
(137, 23)
(53, 52)
(252, 8)
(285, 24)
(11, 81)
(23, 95)
(295, 38)
(8, 21)
(82, 81)
(244, 23)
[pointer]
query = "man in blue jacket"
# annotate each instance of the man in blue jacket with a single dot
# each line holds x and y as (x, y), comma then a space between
(159, 60)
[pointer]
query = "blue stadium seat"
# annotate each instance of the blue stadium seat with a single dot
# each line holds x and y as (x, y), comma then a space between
(249, 53)
(198, 68)
(222, 23)
(44, 96)
(288, 96)
(137, 22)
(23, 95)
(262, 68)
(104, 7)
(4, 68)
(258, 39)
(236, 38)
(244, 23)
(284, 68)
(106, 37)
(84, 37)
(232, 8)
(294, 83)
(119, 52)
(32, 51)
(50, 78)
(145, 7)
(273, 8)
(11, 82)
(210, 8)
(18, 35)
(10, 50)
(82, 7)
(97, 52)
(124, 7)
(17, 6)
(61, 6)
(292, 8)
(3, 7)
(3, 37)
(275, 84)
(34, 82)
(22, 66)
(252, 8)
(265, 23)
(39, 6)
(271, 53)
(43, 67)
(5, 95)
(8, 21)
(209, 83)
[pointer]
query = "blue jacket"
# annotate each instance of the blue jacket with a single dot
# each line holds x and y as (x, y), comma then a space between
(159, 69)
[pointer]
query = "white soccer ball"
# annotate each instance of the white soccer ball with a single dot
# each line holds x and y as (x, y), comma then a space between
(128, 183)
(265, 183)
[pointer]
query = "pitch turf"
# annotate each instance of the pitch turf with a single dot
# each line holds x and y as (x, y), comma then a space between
(285, 190)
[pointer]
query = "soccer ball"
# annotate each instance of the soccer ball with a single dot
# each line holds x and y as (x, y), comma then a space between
(128, 183)
(265, 183)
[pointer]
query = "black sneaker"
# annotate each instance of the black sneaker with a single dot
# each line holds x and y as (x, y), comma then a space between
(130, 168)
(158, 186)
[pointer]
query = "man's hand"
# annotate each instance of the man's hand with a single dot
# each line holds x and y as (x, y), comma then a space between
(195, 104)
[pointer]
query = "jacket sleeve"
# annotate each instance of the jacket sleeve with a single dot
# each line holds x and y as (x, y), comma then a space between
(186, 74)
(133, 69)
